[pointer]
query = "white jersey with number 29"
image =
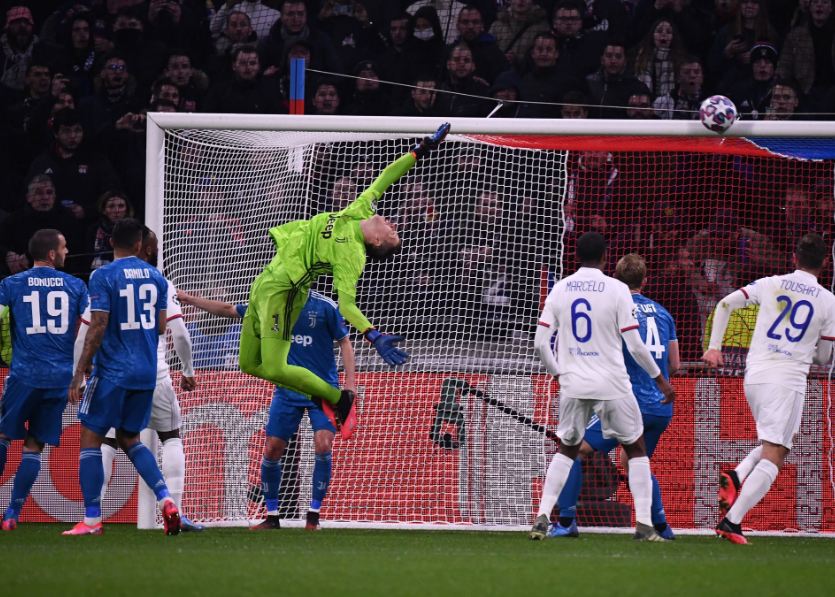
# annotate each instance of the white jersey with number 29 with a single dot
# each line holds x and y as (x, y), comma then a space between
(590, 310)
(795, 313)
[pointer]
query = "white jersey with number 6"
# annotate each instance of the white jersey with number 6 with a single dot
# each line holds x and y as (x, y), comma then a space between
(795, 313)
(590, 311)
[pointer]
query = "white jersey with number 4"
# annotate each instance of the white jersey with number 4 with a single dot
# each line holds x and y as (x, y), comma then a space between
(795, 313)
(173, 311)
(590, 311)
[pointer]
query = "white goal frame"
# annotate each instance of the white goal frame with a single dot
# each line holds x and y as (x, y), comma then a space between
(158, 122)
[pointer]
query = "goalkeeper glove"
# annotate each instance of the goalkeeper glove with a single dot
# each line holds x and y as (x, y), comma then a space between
(386, 345)
(431, 142)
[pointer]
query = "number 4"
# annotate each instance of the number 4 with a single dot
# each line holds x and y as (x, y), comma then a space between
(653, 342)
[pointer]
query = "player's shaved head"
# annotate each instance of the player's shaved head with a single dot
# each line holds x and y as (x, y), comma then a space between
(150, 247)
(631, 270)
(127, 233)
(591, 247)
(44, 241)
(811, 251)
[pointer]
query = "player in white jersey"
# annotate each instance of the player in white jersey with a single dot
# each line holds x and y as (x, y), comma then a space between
(165, 412)
(593, 314)
(795, 326)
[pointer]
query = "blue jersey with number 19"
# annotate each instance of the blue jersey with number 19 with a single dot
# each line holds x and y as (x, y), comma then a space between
(133, 293)
(45, 305)
(657, 330)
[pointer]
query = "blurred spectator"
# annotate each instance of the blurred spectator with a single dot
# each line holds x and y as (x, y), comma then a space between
(752, 93)
(112, 206)
(142, 56)
(260, 17)
(351, 31)
(640, 106)
(796, 219)
(808, 53)
(545, 81)
(427, 50)
(683, 102)
(293, 26)
(460, 78)
(612, 85)
(326, 100)
(21, 114)
(488, 58)
(173, 23)
(115, 96)
(658, 58)
(730, 56)
(447, 11)
(516, 27)
(103, 38)
(396, 62)
(165, 89)
(369, 97)
(238, 31)
(606, 16)
(682, 14)
(579, 50)
(421, 100)
(785, 98)
(575, 105)
(79, 175)
(18, 43)
(248, 91)
(79, 57)
(42, 210)
(343, 192)
(193, 83)
(506, 89)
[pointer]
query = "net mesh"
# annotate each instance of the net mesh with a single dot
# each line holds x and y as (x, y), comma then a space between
(461, 433)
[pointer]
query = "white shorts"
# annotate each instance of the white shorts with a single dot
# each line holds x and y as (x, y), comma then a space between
(165, 412)
(620, 419)
(777, 412)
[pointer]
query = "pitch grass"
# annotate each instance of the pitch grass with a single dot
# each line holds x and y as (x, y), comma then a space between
(36, 560)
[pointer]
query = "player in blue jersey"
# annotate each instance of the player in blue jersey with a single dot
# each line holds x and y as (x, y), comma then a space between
(658, 331)
(319, 325)
(127, 317)
(44, 305)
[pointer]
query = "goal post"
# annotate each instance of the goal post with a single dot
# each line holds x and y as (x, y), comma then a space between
(462, 434)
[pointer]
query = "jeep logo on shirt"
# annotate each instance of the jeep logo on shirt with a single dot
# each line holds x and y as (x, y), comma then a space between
(302, 340)
(328, 231)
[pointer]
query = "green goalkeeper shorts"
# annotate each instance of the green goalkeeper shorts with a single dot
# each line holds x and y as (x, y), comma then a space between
(274, 306)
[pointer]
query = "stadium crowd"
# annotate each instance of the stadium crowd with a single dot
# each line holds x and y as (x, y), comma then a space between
(76, 81)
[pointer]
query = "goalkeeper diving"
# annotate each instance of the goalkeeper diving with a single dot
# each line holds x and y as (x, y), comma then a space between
(335, 243)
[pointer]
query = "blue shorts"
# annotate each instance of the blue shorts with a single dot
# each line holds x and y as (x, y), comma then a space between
(41, 408)
(106, 405)
(654, 426)
(286, 412)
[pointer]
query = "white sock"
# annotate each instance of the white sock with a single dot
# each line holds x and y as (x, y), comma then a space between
(108, 454)
(554, 482)
(174, 467)
(640, 484)
(92, 520)
(755, 488)
(747, 465)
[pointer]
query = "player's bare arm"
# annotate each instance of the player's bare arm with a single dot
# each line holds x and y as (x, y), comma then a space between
(218, 308)
(92, 342)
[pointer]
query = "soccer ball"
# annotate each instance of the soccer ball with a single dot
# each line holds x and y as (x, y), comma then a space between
(717, 113)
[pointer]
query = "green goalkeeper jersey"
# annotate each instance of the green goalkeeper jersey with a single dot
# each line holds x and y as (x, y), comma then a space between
(333, 243)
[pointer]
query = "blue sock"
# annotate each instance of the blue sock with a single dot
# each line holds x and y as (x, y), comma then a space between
(322, 465)
(147, 467)
(657, 509)
(91, 478)
(4, 450)
(567, 501)
(27, 472)
(270, 482)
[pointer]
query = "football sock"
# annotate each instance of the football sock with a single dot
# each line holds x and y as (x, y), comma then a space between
(558, 472)
(91, 479)
(108, 455)
(640, 484)
(570, 493)
(174, 468)
(27, 472)
(146, 465)
(755, 488)
(748, 463)
(270, 482)
(4, 451)
(322, 466)
(659, 517)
